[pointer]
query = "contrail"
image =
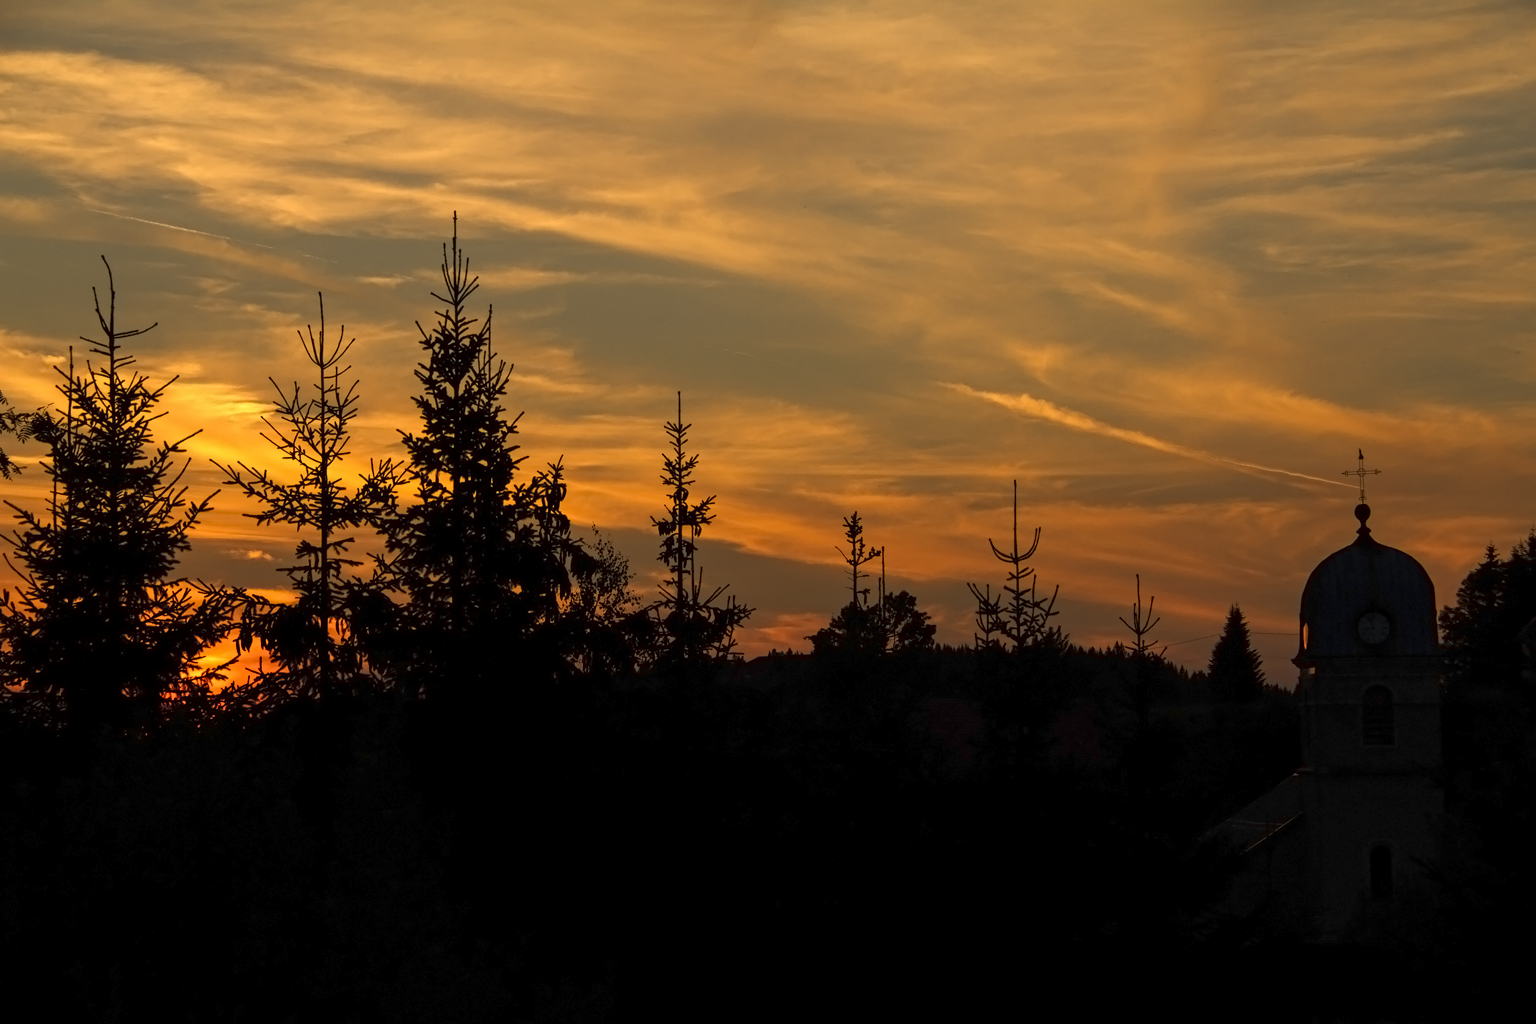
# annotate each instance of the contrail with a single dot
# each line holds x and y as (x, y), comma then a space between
(205, 234)
(173, 227)
(1039, 408)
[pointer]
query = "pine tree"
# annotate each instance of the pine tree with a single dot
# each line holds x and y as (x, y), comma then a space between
(312, 640)
(1235, 673)
(100, 633)
(693, 625)
(483, 561)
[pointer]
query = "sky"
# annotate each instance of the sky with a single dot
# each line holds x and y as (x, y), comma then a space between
(1168, 266)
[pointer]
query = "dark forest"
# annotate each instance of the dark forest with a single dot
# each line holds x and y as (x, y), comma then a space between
(471, 773)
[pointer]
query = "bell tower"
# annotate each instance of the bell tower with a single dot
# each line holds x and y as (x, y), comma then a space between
(1333, 848)
(1370, 692)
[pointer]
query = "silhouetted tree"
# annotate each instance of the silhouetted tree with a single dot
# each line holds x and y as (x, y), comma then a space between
(1142, 622)
(19, 425)
(100, 633)
(905, 628)
(311, 639)
(605, 624)
(892, 622)
(691, 622)
(1017, 616)
(1480, 631)
(857, 556)
(857, 625)
(1141, 625)
(1235, 673)
(482, 560)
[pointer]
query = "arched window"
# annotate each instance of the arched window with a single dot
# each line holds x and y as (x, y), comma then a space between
(1376, 726)
(1381, 870)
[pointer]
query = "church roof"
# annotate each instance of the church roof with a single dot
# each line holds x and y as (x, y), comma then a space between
(1362, 578)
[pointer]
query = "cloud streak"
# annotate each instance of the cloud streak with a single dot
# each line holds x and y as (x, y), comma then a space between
(1041, 409)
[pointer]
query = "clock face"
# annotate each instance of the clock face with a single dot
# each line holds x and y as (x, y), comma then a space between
(1374, 627)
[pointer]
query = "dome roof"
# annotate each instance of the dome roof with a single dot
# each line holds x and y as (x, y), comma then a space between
(1363, 578)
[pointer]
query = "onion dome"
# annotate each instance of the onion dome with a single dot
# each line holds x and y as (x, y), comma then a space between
(1367, 600)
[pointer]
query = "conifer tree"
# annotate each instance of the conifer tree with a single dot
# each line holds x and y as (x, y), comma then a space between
(1235, 671)
(1017, 616)
(1144, 660)
(1480, 632)
(100, 634)
(857, 556)
(483, 561)
(692, 622)
(1142, 623)
(312, 639)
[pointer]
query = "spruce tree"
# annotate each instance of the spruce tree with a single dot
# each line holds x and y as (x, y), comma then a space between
(312, 640)
(1019, 615)
(692, 623)
(1234, 672)
(100, 634)
(482, 560)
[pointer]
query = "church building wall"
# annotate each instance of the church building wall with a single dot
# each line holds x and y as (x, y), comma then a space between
(1334, 713)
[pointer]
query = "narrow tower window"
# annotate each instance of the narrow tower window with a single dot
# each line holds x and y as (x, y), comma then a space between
(1376, 726)
(1381, 870)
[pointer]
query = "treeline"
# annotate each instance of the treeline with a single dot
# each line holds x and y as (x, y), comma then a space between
(475, 776)
(478, 588)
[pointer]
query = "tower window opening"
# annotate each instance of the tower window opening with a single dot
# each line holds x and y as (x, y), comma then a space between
(1376, 721)
(1381, 870)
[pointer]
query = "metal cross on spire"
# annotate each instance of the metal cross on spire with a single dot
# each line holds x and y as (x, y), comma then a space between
(1360, 473)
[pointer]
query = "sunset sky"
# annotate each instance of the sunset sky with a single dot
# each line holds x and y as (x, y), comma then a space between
(1169, 265)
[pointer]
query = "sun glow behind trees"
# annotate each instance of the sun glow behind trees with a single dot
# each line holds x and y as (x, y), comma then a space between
(1196, 239)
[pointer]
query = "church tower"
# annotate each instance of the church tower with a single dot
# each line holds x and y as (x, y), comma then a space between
(1344, 837)
(1370, 694)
